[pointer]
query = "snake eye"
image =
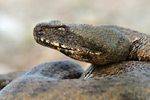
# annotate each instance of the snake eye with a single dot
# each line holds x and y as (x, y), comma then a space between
(61, 29)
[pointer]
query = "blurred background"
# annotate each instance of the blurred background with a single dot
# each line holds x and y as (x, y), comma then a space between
(19, 51)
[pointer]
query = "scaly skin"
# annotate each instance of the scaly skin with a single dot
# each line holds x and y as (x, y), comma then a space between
(119, 81)
(93, 44)
(98, 45)
(140, 49)
(115, 69)
(132, 35)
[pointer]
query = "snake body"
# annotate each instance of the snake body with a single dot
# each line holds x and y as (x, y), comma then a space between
(98, 45)
(118, 70)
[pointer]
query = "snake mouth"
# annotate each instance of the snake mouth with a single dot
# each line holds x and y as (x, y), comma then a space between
(83, 54)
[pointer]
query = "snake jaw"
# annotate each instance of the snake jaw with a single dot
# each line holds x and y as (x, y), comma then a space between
(76, 53)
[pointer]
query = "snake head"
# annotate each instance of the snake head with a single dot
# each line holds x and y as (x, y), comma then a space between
(82, 41)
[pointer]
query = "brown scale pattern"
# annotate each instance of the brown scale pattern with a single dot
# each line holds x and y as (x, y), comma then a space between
(140, 49)
(128, 80)
(111, 69)
(132, 35)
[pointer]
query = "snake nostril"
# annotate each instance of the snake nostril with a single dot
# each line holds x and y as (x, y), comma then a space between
(37, 31)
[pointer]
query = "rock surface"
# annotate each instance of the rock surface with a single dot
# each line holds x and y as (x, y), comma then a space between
(7, 78)
(133, 85)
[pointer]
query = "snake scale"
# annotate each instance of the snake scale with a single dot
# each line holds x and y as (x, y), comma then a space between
(119, 69)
